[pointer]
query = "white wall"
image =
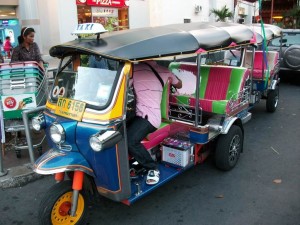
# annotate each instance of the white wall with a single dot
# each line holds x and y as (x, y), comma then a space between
(250, 11)
(164, 12)
(139, 14)
(67, 12)
(58, 20)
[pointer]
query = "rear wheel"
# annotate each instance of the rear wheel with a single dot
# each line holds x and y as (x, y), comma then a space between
(228, 149)
(55, 207)
(272, 100)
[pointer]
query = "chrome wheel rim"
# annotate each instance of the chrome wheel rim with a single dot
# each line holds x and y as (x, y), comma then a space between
(276, 99)
(234, 148)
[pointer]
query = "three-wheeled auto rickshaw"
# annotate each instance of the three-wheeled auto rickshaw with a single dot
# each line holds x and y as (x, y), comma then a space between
(85, 116)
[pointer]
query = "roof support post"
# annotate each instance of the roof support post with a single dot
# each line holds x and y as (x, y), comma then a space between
(251, 73)
(198, 80)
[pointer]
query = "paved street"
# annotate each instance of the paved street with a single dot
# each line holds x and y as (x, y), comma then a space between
(263, 189)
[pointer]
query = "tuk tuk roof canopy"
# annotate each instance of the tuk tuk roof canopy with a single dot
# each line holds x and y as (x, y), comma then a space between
(153, 42)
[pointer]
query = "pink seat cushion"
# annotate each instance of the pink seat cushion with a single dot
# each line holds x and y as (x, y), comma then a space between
(156, 137)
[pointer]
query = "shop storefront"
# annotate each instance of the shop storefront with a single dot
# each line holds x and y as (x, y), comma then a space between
(10, 28)
(9, 24)
(112, 14)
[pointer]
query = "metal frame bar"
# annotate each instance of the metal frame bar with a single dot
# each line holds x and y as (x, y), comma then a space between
(197, 92)
(27, 130)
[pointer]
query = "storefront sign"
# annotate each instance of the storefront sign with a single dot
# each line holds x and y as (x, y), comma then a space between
(9, 22)
(106, 3)
(80, 2)
(104, 12)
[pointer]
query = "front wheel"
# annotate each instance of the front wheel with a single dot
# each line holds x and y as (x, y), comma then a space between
(55, 207)
(228, 149)
(272, 100)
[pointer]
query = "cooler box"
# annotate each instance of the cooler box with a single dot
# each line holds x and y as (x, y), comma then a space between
(176, 152)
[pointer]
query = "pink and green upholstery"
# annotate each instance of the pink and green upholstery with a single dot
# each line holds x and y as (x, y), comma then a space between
(164, 105)
(153, 139)
(219, 87)
(258, 66)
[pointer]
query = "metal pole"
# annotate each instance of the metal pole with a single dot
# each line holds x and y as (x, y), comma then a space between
(280, 50)
(251, 74)
(198, 91)
(2, 171)
(27, 130)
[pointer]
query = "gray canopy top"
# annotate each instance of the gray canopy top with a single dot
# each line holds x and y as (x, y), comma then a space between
(153, 42)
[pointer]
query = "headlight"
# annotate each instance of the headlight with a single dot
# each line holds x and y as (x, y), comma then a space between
(57, 133)
(38, 122)
(95, 143)
(105, 140)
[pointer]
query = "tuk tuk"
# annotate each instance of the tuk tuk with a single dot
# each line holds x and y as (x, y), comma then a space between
(85, 115)
(266, 66)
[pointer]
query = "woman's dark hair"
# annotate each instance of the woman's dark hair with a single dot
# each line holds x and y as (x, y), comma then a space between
(7, 38)
(24, 32)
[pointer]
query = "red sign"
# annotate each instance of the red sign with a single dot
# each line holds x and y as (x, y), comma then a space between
(106, 3)
(80, 2)
(10, 102)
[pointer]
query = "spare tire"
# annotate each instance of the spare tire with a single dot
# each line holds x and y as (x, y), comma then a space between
(291, 57)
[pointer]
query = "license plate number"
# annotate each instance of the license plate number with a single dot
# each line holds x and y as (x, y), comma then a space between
(70, 108)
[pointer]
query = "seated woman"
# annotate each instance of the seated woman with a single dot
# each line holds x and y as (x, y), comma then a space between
(27, 50)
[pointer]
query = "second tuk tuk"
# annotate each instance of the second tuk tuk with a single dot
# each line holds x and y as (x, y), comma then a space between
(85, 117)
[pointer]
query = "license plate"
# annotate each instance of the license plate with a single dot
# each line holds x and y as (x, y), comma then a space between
(70, 108)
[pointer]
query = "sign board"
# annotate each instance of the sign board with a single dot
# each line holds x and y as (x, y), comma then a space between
(89, 28)
(80, 2)
(103, 3)
(104, 12)
(18, 102)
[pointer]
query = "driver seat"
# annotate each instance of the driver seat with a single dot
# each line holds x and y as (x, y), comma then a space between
(155, 138)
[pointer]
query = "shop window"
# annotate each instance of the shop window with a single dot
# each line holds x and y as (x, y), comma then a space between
(84, 14)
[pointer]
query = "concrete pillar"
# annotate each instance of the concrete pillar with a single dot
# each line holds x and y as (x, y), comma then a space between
(29, 17)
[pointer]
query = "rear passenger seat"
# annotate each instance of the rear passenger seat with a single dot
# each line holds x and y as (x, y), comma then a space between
(272, 62)
(219, 87)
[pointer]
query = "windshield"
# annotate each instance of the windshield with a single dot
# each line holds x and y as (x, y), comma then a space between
(91, 85)
(291, 39)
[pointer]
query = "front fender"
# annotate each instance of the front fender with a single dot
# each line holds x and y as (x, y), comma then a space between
(56, 161)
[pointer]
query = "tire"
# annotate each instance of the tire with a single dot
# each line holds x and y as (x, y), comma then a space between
(291, 57)
(272, 100)
(228, 148)
(55, 206)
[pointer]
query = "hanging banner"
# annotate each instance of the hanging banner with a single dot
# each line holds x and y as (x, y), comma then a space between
(106, 3)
